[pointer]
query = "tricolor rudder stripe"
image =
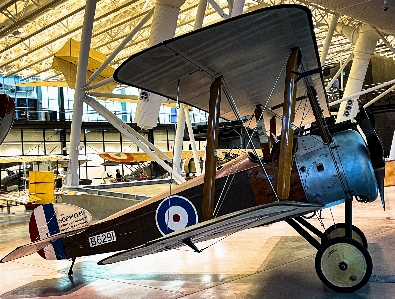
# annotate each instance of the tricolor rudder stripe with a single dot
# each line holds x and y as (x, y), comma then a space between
(43, 224)
(50, 219)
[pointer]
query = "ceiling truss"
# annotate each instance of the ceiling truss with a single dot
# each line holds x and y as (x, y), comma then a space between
(31, 31)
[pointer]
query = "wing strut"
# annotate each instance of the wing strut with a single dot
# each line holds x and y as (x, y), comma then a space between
(190, 244)
(212, 144)
(319, 117)
(286, 143)
(263, 138)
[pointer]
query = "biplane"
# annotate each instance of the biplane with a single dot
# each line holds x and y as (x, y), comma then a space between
(223, 156)
(266, 60)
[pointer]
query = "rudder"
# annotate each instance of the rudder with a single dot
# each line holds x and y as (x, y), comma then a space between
(50, 219)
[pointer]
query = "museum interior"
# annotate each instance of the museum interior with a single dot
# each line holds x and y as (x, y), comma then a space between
(197, 149)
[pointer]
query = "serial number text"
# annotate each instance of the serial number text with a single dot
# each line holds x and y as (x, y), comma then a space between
(101, 239)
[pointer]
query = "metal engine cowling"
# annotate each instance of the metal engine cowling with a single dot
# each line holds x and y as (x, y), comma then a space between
(330, 171)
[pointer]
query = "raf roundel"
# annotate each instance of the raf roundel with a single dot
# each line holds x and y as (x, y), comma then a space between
(175, 212)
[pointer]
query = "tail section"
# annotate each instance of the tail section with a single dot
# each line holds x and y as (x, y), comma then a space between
(57, 219)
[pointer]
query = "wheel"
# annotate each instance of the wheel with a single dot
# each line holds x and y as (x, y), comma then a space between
(343, 265)
(339, 230)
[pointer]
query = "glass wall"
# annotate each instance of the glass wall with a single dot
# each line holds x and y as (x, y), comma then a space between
(56, 103)
(93, 142)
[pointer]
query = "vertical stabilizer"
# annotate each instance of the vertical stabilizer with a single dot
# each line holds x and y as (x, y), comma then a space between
(50, 219)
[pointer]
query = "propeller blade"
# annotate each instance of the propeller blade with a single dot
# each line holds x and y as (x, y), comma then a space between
(380, 174)
(376, 151)
(287, 133)
(375, 147)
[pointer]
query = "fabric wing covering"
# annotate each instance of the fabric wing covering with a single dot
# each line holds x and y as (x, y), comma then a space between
(249, 51)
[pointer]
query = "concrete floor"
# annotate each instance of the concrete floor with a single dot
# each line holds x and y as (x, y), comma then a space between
(265, 262)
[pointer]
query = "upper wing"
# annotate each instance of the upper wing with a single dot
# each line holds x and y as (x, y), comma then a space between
(249, 51)
(217, 227)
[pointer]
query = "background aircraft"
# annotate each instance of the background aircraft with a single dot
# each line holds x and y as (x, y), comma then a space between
(317, 167)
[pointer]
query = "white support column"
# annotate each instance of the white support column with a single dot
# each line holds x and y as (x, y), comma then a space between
(179, 139)
(129, 132)
(328, 39)
(72, 179)
(230, 6)
(365, 46)
(218, 9)
(192, 141)
(201, 11)
(237, 9)
(164, 23)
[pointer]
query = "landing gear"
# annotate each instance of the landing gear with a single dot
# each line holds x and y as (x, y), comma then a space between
(343, 264)
(339, 230)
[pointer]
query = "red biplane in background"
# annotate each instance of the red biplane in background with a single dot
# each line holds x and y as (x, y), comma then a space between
(264, 62)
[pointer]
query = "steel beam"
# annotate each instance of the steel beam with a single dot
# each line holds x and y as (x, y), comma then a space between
(140, 141)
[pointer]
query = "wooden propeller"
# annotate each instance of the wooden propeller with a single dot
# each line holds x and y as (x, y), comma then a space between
(287, 132)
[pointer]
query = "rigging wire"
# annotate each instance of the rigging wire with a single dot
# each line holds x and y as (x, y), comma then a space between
(270, 95)
(223, 195)
(227, 92)
(233, 105)
(172, 159)
(236, 231)
(175, 132)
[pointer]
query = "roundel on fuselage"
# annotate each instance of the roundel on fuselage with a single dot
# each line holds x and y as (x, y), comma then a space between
(174, 213)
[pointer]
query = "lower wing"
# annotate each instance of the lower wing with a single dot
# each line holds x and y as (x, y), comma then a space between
(217, 227)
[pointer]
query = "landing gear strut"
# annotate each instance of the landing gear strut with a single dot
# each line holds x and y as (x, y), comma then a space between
(338, 230)
(70, 273)
(343, 262)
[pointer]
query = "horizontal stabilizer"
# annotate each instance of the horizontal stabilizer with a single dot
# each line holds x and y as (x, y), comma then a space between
(217, 227)
(33, 247)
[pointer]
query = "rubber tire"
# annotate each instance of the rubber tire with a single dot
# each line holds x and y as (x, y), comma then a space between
(353, 254)
(341, 226)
